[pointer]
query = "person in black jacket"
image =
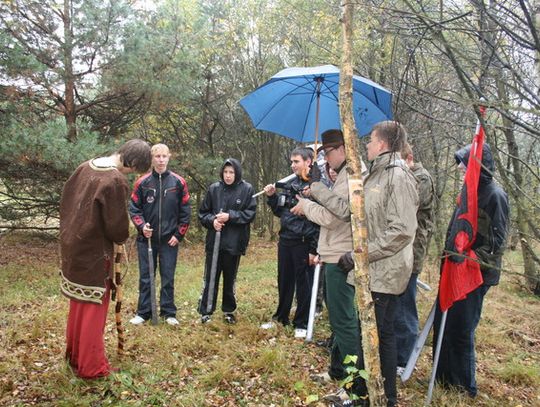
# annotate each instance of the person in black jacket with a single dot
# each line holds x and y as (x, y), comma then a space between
(297, 247)
(160, 210)
(228, 207)
(457, 362)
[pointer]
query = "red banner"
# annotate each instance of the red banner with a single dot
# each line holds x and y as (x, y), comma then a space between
(460, 271)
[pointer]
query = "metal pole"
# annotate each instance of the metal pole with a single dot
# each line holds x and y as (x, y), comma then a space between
(313, 303)
(213, 269)
(152, 283)
(418, 345)
(436, 358)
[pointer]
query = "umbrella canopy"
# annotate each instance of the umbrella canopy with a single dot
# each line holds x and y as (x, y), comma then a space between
(292, 100)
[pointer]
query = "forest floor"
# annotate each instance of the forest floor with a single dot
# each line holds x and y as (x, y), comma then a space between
(223, 365)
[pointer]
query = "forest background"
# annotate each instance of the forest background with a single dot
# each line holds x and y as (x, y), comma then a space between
(78, 78)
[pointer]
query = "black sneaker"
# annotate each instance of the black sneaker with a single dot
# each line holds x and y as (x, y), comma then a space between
(206, 319)
(229, 318)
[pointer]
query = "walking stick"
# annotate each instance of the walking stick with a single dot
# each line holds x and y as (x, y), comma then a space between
(436, 358)
(313, 303)
(118, 295)
(152, 283)
(418, 345)
(213, 269)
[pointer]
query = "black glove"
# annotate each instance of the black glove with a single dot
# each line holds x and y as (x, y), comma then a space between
(314, 173)
(346, 262)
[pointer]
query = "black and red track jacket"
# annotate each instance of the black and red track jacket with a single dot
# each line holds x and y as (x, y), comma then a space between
(163, 201)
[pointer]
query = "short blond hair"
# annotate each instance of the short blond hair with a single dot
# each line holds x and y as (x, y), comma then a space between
(156, 148)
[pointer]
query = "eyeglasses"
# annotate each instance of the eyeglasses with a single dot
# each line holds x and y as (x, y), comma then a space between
(328, 149)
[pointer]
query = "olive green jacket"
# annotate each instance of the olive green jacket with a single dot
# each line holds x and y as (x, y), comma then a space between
(391, 205)
(424, 215)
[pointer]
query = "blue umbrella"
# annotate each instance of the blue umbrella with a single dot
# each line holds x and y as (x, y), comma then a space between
(300, 102)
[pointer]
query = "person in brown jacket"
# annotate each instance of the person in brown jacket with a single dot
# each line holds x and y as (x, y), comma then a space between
(93, 216)
(330, 210)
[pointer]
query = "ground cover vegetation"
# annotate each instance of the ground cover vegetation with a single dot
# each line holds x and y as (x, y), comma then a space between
(219, 364)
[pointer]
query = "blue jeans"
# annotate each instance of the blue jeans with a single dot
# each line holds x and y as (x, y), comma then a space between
(167, 256)
(457, 361)
(406, 323)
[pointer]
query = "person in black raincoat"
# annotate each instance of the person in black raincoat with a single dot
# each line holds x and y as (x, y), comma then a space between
(457, 362)
(228, 207)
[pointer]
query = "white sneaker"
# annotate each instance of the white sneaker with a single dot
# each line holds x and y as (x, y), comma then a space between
(338, 397)
(321, 378)
(399, 371)
(268, 325)
(172, 321)
(300, 333)
(137, 320)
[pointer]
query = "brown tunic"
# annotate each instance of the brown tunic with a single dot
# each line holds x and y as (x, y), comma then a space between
(93, 215)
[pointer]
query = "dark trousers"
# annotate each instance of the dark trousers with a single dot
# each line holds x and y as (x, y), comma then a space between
(457, 364)
(343, 316)
(167, 256)
(406, 323)
(385, 312)
(227, 265)
(293, 273)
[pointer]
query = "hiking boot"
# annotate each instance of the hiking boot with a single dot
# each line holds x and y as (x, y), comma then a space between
(172, 321)
(268, 325)
(137, 320)
(300, 333)
(206, 319)
(229, 318)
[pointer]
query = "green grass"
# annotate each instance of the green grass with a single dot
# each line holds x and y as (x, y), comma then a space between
(218, 364)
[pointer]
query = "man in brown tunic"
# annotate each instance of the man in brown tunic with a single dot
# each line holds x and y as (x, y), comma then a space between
(93, 216)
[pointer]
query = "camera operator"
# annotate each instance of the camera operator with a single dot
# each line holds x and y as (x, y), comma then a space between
(297, 246)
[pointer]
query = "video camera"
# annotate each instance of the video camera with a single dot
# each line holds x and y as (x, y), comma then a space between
(287, 198)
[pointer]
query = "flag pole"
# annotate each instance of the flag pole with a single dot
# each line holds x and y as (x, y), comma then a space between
(436, 358)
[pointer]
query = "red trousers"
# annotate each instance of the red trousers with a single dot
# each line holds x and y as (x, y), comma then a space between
(85, 348)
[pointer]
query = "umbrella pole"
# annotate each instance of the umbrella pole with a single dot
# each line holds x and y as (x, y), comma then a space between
(319, 81)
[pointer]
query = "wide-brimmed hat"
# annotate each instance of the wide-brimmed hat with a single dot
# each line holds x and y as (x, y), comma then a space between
(331, 138)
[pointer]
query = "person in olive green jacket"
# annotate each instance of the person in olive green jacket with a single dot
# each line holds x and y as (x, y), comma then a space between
(391, 205)
(391, 202)
(406, 324)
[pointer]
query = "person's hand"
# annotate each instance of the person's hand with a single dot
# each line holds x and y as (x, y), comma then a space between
(314, 174)
(270, 189)
(298, 209)
(223, 217)
(346, 262)
(306, 192)
(173, 241)
(217, 225)
(314, 259)
(147, 230)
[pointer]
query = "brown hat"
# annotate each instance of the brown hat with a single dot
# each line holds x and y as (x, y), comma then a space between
(331, 138)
